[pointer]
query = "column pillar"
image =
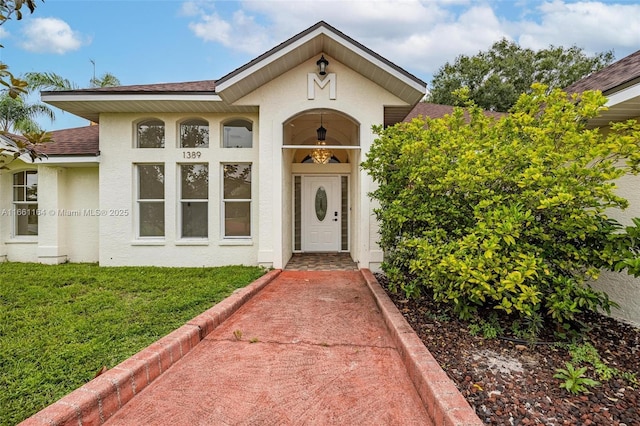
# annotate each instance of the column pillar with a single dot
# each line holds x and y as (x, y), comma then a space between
(51, 243)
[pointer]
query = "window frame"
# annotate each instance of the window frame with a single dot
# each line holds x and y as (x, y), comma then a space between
(181, 200)
(223, 137)
(224, 201)
(202, 122)
(148, 121)
(140, 201)
(25, 205)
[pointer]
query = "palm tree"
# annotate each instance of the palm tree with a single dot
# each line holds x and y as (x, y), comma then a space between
(18, 116)
(47, 81)
(107, 80)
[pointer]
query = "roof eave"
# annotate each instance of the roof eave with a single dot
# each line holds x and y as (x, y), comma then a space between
(263, 69)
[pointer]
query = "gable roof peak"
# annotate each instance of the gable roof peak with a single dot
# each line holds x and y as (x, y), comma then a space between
(320, 38)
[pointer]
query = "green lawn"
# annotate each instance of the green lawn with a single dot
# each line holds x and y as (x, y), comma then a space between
(60, 324)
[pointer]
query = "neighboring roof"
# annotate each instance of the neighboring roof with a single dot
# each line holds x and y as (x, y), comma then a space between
(219, 95)
(76, 141)
(426, 109)
(620, 73)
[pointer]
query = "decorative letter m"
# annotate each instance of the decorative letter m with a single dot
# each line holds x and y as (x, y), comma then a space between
(313, 79)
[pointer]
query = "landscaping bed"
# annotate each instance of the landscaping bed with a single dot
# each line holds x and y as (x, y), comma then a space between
(511, 382)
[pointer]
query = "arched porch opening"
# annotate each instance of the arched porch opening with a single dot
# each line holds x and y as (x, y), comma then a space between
(319, 198)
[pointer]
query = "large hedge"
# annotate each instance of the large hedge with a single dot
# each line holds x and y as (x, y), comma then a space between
(509, 214)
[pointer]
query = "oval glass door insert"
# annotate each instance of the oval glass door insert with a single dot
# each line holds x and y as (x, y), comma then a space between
(321, 204)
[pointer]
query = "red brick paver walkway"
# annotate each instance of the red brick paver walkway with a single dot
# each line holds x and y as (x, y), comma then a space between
(311, 348)
(293, 347)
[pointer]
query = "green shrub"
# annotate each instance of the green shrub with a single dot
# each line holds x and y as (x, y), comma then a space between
(587, 353)
(574, 380)
(507, 214)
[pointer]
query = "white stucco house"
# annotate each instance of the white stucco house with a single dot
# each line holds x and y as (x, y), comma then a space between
(247, 169)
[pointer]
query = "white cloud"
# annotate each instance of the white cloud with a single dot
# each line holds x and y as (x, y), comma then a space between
(591, 25)
(3, 33)
(422, 35)
(241, 32)
(50, 35)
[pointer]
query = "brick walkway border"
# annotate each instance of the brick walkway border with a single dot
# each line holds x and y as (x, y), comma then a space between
(96, 401)
(442, 399)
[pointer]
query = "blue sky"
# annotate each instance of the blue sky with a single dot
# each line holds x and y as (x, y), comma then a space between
(152, 41)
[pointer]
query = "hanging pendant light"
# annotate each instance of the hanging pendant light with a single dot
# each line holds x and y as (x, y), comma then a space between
(321, 155)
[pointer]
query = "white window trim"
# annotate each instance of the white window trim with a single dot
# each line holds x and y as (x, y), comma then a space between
(16, 205)
(136, 134)
(143, 239)
(224, 123)
(223, 201)
(180, 240)
(179, 129)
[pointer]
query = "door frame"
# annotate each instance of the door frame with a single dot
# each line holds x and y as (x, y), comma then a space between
(344, 215)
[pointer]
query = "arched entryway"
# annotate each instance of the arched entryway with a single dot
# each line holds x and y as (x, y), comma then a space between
(320, 196)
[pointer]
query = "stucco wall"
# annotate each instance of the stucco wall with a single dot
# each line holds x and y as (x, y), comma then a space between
(67, 230)
(119, 244)
(81, 231)
(285, 97)
(621, 287)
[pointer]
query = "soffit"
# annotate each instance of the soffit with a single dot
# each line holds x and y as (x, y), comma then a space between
(317, 40)
(622, 106)
(91, 106)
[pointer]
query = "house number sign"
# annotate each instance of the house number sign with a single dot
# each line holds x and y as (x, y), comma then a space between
(191, 155)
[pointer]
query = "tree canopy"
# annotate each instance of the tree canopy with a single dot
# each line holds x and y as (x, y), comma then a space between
(497, 77)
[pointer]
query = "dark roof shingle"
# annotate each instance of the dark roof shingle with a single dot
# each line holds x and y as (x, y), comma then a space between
(426, 109)
(75, 141)
(617, 74)
(208, 86)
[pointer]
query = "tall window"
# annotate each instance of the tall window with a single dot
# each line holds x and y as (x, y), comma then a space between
(194, 134)
(150, 134)
(151, 200)
(237, 134)
(236, 202)
(194, 196)
(25, 202)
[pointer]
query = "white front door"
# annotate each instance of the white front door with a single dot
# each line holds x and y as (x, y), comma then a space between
(321, 213)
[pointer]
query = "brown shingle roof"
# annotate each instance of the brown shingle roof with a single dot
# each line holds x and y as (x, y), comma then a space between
(426, 109)
(615, 75)
(208, 86)
(76, 141)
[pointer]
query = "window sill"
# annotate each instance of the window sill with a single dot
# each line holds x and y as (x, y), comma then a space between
(148, 242)
(236, 242)
(192, 242)
(26, 240)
